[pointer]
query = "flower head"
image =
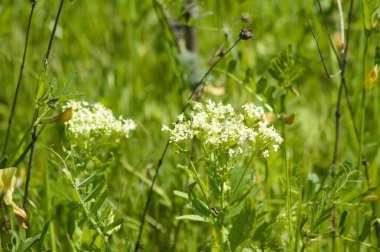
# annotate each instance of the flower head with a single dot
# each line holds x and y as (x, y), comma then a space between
(220, 127)
(90, 121)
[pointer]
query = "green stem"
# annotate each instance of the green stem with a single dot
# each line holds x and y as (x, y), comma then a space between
(362, 117)
(199, 183)
(287, 178)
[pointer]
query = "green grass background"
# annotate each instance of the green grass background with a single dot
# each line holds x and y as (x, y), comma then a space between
(126, 59)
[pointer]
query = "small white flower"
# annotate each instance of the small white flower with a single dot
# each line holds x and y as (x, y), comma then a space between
(165, 128)
(266, 153)
(231, 152)
(181, 117)
(276, 147)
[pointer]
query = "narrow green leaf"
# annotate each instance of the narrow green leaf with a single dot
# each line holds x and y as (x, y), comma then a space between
(29, 242)
(99, 202)
(261, 85)
(190, 189)
(243, 225)
(88, 180)
(200, 207)
(181, 194)
(106, 211)
(113, 225)
(377, 56)
(342, 221)
(365, 230)
(369, 7)
(191, 217)
(95, 192)
(69, 85)
(3, 162)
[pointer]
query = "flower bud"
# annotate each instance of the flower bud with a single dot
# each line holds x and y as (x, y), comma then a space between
(371, 79)
(245, 34)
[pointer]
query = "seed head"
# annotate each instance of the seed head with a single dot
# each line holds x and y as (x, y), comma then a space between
(245, 34)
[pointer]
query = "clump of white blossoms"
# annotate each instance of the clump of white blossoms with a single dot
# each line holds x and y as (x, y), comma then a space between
(218, 126)
(91, 121)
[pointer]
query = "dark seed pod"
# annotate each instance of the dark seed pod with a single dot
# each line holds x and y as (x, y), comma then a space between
(245, 34)
(245, 18)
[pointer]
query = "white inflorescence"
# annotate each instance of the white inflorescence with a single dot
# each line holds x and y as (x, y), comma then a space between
(218, 125)
(95, 120)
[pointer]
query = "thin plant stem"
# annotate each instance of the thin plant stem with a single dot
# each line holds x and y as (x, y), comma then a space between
(10, 120)
(320, 53)
(35, 118)
(342, 64)
(327, 30)
(199, 87)
(341, 25)
(23, 154)
(362, 115)
(241, 178)
(199, 183)
(287, 177)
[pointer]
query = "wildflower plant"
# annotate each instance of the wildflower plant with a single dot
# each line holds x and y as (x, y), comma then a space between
(225, 137)
(93, 133)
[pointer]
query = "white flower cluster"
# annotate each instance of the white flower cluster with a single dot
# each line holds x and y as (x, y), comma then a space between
(94, 120)
(219, 126)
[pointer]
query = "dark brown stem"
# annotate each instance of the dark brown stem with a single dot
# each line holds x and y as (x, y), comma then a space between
(320, 53)
(325, 26)
(30, 164)
(191, 44)
(35, 118)
(10, 120)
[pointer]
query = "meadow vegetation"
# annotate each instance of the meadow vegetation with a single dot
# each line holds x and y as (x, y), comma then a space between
(189, 125)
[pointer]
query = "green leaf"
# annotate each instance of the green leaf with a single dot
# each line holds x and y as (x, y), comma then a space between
(342, 221)
(46, 226)
(190, 189)
(369, 9)
(107, 210)
(365, 230)
(181, 194)
(95, 192)
(3, 162)
(200, 207)
(285, 69)
(69, 85)
(261, 233)
(99, 202)
(261, 85)
(27, 244)
(192, 217)
(377, 56)
(88, 180)
(325, 214)
(243, 225)
(109, 228)
(231, 65)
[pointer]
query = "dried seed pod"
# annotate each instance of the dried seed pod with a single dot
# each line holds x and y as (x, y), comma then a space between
(245, 34)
